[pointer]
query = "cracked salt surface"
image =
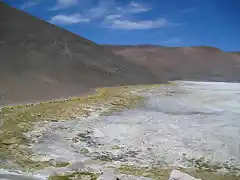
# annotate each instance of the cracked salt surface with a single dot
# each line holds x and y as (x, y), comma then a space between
(174, 125)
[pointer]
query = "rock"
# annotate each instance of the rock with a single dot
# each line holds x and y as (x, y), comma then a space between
(39, 115)
(177, 175)
(131, 177)
(108, 174)
(54, 120)
(41, 158)
(98, 133)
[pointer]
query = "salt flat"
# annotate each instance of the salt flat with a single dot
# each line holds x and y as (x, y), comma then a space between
(175, 126)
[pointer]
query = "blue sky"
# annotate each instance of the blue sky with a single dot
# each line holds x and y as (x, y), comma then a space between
(160, 22)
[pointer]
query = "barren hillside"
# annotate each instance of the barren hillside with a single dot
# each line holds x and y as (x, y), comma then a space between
(41, 61)
(184, 63)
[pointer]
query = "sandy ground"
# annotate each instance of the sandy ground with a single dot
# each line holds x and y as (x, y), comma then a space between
(175, 125)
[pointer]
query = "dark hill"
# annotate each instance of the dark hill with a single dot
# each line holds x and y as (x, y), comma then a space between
(201, 63)
(39, 61)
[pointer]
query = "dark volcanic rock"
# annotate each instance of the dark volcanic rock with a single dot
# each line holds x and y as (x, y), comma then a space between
(41, 61)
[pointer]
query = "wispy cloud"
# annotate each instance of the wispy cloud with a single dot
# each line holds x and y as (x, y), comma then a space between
(134, 8)
(63, 19)
(127, 18)
(113, 16)
(108, 9)
(138, 25)
(28, 4)
(102, 9)
(63, 4)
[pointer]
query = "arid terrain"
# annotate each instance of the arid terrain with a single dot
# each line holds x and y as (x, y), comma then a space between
(130, 133)
(40, 61)
(71, 109)
(200, 63)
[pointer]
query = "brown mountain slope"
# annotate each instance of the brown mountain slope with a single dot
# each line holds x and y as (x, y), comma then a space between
(236, 52)
(184, 63)
(40, 61)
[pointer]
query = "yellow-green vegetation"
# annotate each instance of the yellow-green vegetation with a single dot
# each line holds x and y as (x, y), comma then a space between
(84, 150)
(116, 147)
(154, 173)
(205, 175)
(206, 165)
(17, 120)
(62, 164)
(164, 173)
(76, 175)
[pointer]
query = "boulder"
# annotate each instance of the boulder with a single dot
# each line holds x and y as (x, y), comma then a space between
(178, 175)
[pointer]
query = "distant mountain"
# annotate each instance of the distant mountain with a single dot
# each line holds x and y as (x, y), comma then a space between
(40, 61)
(201, 63)
(236, 52)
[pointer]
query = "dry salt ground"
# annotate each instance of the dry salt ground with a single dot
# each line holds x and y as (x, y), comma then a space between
(174, 125)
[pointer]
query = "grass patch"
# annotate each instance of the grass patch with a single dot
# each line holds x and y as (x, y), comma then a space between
(164, 173)
(84, 150)
(76, 175)
(205, 164)
(62, 164)
(116, 147)
(154, 173)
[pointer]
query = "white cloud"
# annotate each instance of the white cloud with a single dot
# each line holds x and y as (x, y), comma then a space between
(113, 16)
(97, 12)
(134, 8)
(68, 19)
(63, 4)
(29, 4)
(102, 9)
(137, 25)
(138, 8)
(108, 10)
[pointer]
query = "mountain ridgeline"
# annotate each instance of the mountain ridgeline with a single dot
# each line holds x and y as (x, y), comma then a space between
(199, 63)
